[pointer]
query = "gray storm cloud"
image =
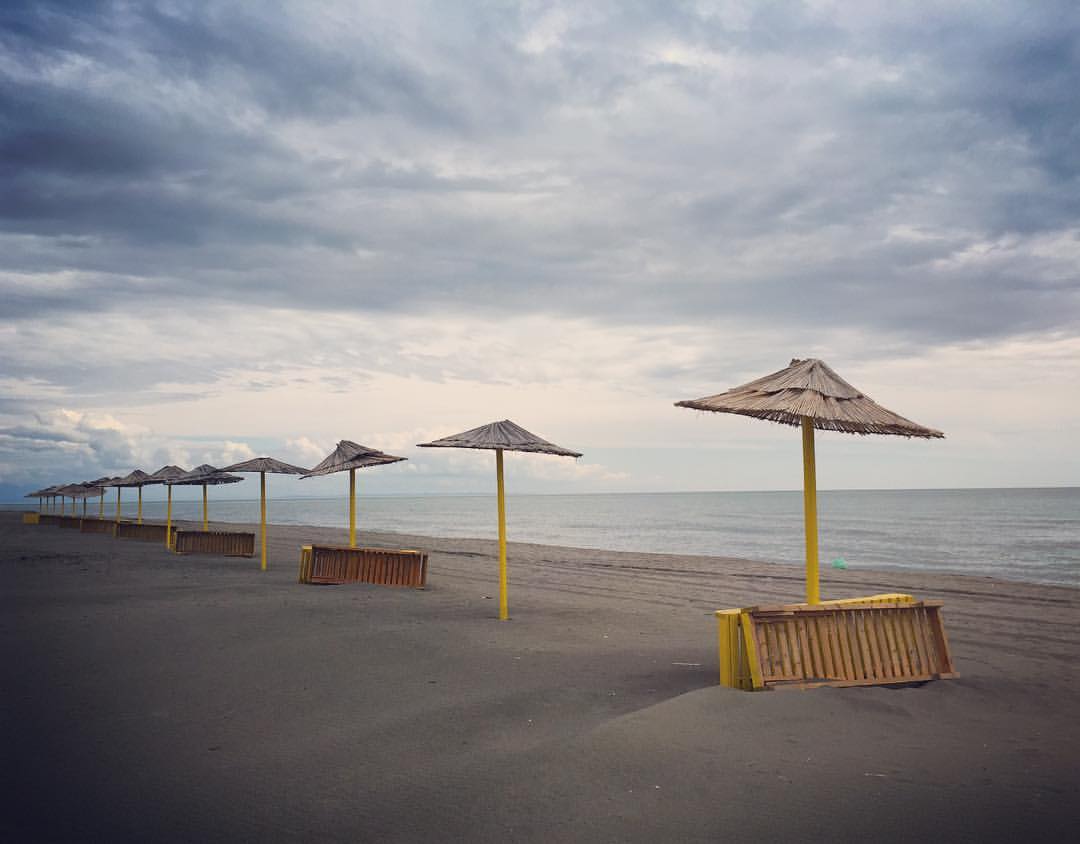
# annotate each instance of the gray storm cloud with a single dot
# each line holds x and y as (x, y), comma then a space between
(654, 162)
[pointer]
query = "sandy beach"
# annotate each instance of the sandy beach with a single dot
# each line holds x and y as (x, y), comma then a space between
(148, 696)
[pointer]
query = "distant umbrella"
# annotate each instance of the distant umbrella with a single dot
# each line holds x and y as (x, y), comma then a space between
(811, 395)
(40, 495)
(137, 478)
(500, 437)
(351, 456)
(93, 489)
(98, 484)
(49, 494)
(72, 491)
(162, 476)
(262, 465)
(204, 476)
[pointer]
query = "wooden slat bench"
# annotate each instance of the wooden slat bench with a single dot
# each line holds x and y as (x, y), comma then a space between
(854, 642)
(49, 519)
(98, 526)
(31, 518)
(144, 532)
(329, 564)
(73, 522)
(225, 543)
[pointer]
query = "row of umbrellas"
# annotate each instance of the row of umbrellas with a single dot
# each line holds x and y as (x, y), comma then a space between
(807, 394)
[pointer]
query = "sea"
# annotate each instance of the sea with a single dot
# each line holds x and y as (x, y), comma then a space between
(1017, 534)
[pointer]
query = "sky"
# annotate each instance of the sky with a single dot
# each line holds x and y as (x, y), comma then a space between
(235, 229)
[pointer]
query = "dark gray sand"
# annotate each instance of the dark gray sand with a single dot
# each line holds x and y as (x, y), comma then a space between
(150, 697)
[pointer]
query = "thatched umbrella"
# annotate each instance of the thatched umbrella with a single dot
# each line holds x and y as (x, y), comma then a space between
(99, 485)
(49, 494)
(91, 489)
(71, 491)
(809, 394)
(262, 465)
(137, 478)
(500, 437)
(351, 456)
(40, 495)
(204, 476)
(162, 476)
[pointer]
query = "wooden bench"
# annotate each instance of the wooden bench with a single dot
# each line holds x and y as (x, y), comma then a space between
(879, 640)
(107, 526)
(31, 518)
(49, 519)
(225, 543)
(73, 522)
(329, 564)
(144, 532)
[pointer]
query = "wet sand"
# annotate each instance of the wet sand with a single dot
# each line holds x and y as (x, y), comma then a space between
(147, 696)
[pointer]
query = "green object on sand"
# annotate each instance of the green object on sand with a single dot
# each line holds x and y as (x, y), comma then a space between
(839, 563)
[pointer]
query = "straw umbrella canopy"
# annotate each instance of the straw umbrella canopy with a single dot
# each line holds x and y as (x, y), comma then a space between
(40, 495)
(93, 489)
(350, 456)
(49, 494)
(137, 478)
(99, 484)
(204, 476)
(71, 491)
(809, 394)
(162, 476)
(262, 465)
(500, 437)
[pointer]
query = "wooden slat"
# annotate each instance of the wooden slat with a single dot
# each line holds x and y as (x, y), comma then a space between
(899, 621)
(828, 648)
(923, 620)
(937, 630)
(881, 621)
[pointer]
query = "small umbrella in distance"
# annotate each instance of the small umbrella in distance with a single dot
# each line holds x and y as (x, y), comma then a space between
(262, 465)
(500, 437)
(204, 476)
(49, 494)
(163, 476)
(99, 484)
(71, 491)
(91, 489)
(351, 456)
(809, 394)
(40, 495)
(137, 478)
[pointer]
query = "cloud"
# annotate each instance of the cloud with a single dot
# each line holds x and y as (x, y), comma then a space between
(665, 166)
(267, 227)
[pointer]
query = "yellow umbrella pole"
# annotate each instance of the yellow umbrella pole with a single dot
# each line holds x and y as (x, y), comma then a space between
(504, 610)
(168, 516)
(352, 508)
(262, 517)
(813, 591)
(140, 505)
(205, 520)
(118, 505)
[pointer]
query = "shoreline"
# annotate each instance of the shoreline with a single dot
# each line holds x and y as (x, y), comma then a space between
(1014, 539)
(388, 539)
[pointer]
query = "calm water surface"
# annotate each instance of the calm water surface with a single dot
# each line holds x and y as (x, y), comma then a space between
(1025, 534)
